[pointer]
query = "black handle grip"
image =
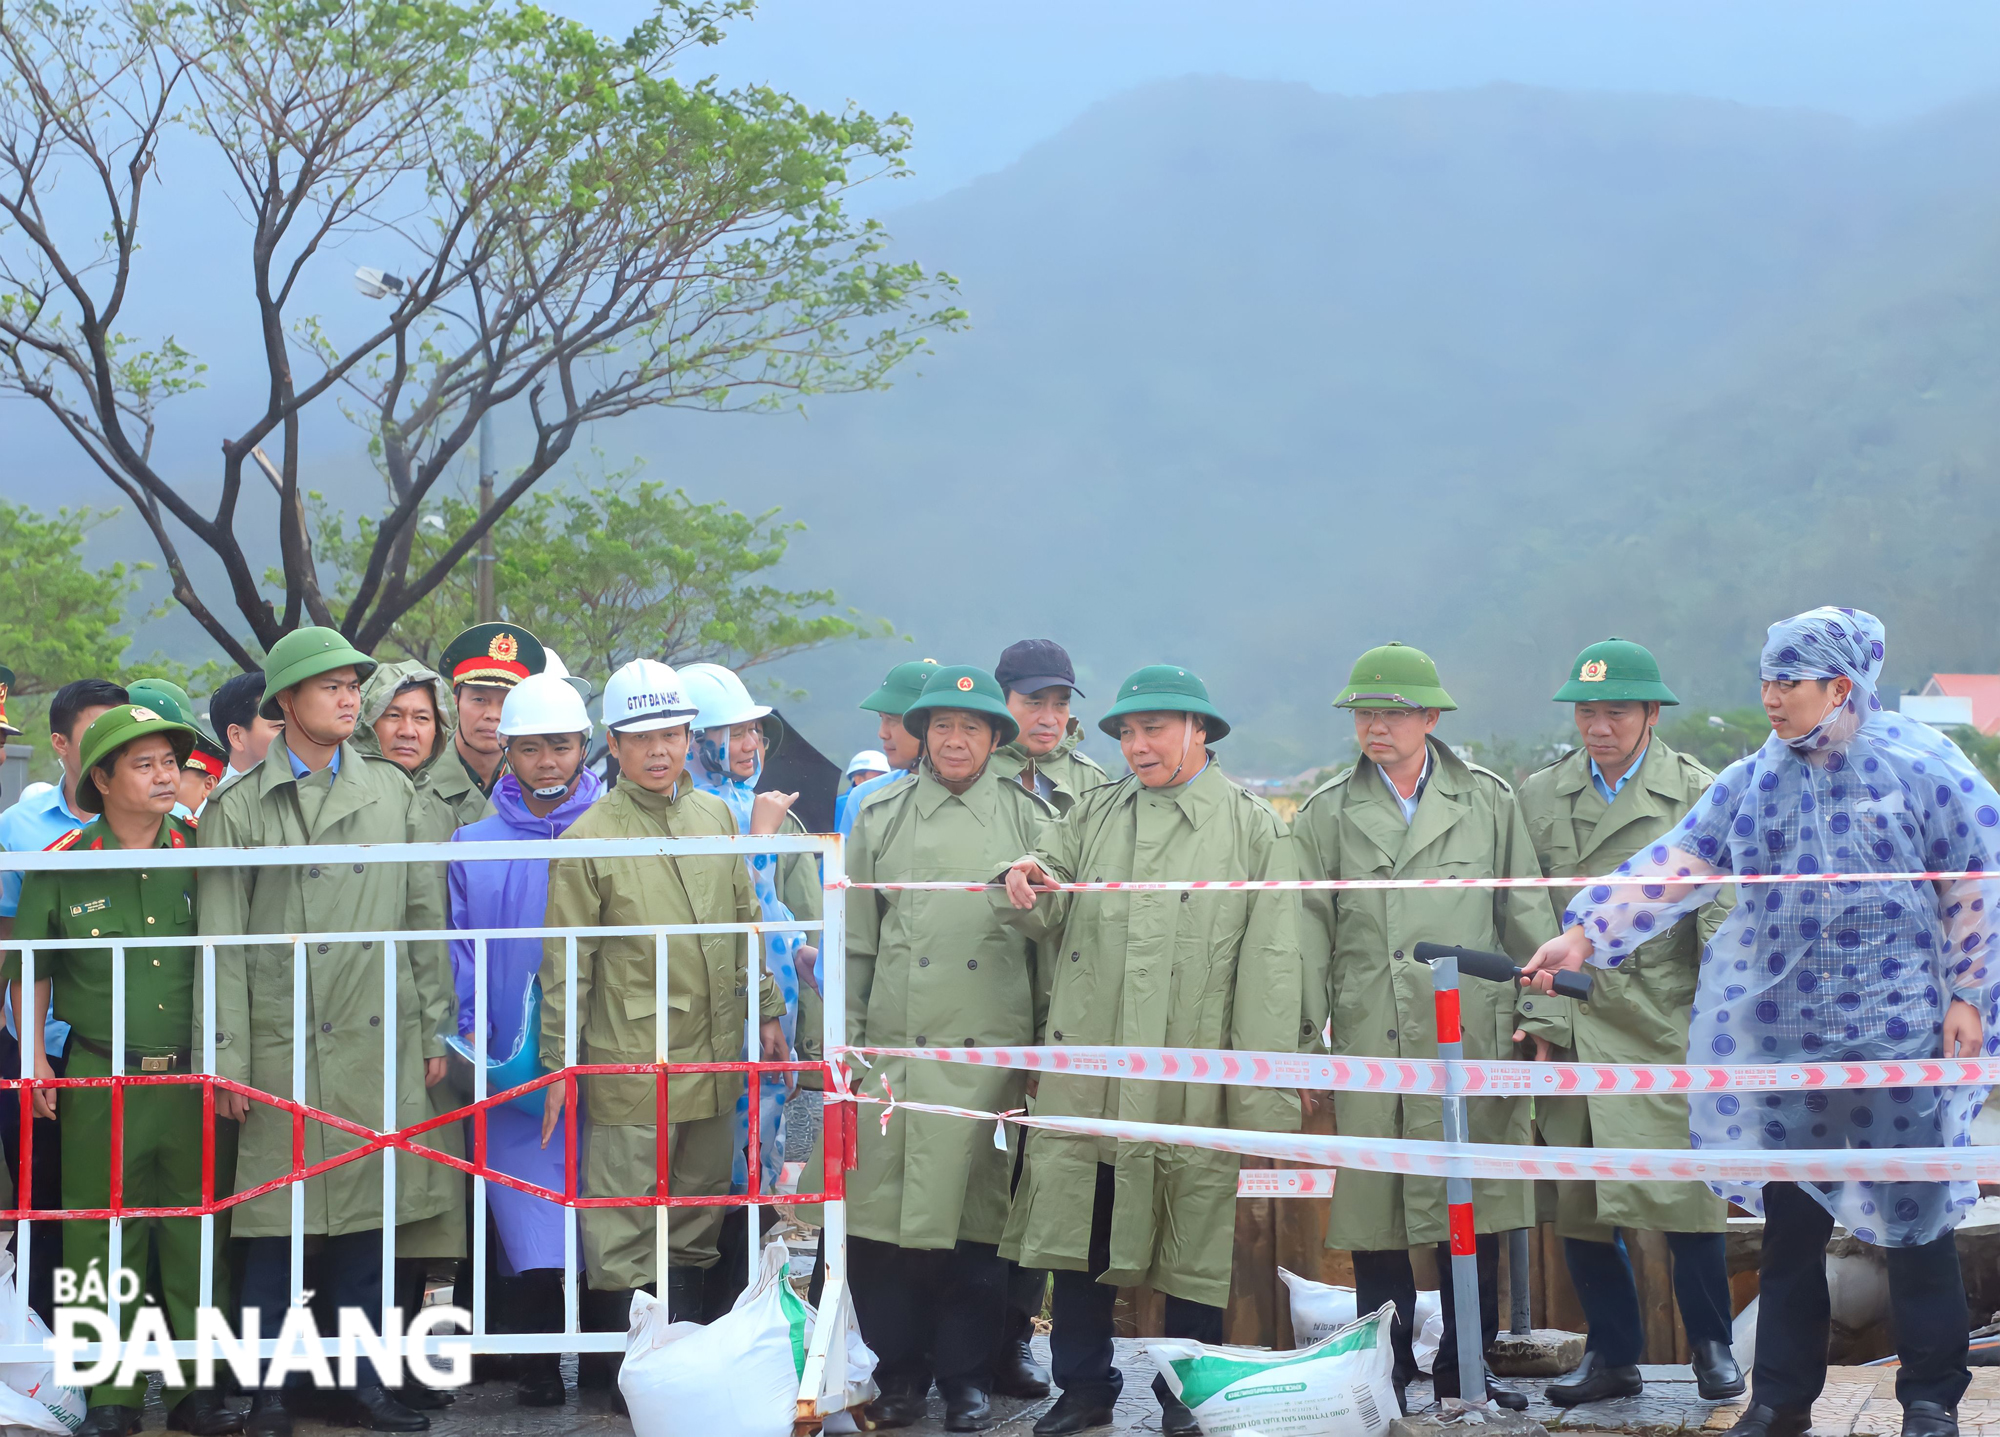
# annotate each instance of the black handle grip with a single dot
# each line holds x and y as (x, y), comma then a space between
(1498, 968)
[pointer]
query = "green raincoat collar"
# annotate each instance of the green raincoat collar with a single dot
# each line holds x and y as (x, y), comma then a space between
(1198, 798)
(1659, 770)
(1018, 751)
(978, 799)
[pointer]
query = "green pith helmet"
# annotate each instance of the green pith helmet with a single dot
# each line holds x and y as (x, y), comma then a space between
(1394, 676)
(901, 686)
(1164, 688)
(1615, 671)
(303, 654)
(963, 687)
(167, 699)
(111, 731)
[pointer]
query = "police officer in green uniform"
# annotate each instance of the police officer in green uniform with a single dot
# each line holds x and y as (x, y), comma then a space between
(1588, 812)
(131, 760)
(482, 665)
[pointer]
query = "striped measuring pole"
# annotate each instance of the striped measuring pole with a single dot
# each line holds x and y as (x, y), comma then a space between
(1458, 1191)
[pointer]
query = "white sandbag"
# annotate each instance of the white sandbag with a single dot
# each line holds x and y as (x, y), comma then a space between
(1338, 1387)
(1319, 1309)
(30, 1401)
(739, 1375)
(1430, 1330)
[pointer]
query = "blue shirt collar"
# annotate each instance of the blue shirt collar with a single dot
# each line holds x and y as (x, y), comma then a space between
(299, 770)
(1609, 791)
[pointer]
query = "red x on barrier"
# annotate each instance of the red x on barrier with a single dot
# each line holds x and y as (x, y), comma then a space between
(839, 1141)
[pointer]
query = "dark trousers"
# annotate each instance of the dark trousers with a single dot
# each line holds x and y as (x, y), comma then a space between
(1926, 1305)
(1081, 1310)
(1602, 1275)
(1381, 1277)
(349, 1271)
(929, 1313)
(46, 1176)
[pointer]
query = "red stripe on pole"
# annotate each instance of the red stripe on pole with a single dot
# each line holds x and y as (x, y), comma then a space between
(1447, 1015)
(1463, 1241)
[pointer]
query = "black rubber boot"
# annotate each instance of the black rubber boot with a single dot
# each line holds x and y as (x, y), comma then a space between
(686, 1289)
(602, 1312)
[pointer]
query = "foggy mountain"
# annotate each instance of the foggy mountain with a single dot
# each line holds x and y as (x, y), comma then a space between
(1259, 377)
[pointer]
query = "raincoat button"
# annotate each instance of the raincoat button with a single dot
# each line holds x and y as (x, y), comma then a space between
(326, 1027)
(1185, 895)
(1058, 1035)
(357, 868)
(375, 1022)
(1527, 1007)
(366, 945)
(972, 962)
(1392, 1035)
(1074, 957)
(1399, 953)
(970, 1043)
(322, 947)
(923, 962)
(920, 1040)
(312, 873)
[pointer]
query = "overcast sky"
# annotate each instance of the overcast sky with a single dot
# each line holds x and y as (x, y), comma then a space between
(984, 79)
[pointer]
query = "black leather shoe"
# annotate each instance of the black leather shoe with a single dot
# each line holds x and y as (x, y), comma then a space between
(1497, 1392)
(542, 1385)
(967, 1410)
(109, 1421)
(899, 1409)
(1176, 1420)
(420, 1397)
(1761, 1421)
(1596, 1380)
(372, 1407)
(205, 1414)
(1716, 1375)
(1074, 1414)
(1930, 1419)
(1017, 1374)
(269, 1417)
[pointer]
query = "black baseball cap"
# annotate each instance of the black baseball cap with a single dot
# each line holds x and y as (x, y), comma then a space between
(1034, 664)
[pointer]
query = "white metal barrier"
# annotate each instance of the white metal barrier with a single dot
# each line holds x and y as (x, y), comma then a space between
(827, 1351)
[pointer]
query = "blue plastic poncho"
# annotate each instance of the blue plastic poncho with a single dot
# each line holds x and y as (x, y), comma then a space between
(708, 765)
(1858, 972)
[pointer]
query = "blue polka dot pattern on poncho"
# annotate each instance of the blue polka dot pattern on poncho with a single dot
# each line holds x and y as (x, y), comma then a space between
(1841, 972)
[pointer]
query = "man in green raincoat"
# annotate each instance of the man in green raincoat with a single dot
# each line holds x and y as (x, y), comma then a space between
(481, 665)
(316, 787)
(1588, 812)
(1411, 808)
(619, 1007)
(927, 1203)
(1217, 969)
(130, 758)
(1039, 680)
(408, 717)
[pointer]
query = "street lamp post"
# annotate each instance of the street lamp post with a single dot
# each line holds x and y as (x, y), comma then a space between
(380, 284)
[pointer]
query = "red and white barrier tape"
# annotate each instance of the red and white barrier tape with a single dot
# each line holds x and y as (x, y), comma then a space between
(1490, 1078)
(1300, 885)
(1417, 1158)
(1285, 1182)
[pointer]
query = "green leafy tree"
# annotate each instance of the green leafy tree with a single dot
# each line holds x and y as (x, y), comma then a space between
(572, 230)
(615, 573)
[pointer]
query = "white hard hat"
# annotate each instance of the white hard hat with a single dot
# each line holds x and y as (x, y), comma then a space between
(719, 697)
(869, 760)
(543, 703)
(551, 664)
(645, 695)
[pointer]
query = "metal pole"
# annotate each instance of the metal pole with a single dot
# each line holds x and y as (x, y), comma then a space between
(1457, 1190)
(1519, 1294)
(489, 609)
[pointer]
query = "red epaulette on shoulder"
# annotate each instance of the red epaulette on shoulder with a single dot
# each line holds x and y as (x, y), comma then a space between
(68, 840)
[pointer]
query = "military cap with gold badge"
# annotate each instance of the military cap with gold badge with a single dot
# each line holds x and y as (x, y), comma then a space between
(7, 728)
(500, 655)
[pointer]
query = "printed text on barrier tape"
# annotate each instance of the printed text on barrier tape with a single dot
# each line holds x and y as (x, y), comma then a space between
(1415, 1158)
(1490, 1078)
(1311, 885)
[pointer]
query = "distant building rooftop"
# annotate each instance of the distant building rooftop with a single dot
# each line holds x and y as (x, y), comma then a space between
(1982, 689)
